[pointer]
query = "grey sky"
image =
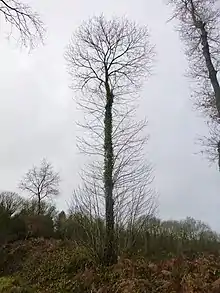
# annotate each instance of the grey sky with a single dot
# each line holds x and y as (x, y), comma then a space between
(37, 113)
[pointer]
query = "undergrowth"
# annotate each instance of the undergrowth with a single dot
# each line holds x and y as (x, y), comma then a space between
(55, 266)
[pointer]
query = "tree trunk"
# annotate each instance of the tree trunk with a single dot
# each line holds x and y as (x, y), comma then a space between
(39, 205)
(211, 69)
(110, 256)
(199, 24)
(209, 64)
(212, 75)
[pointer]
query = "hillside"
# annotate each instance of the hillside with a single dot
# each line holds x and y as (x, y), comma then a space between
(51, 266)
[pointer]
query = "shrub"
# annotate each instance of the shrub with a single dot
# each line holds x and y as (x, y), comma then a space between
(13, 285)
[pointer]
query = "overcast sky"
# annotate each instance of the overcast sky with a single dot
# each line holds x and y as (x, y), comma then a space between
(37, 113)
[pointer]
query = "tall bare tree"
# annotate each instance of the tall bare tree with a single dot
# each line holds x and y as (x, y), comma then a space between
(26, 22)
(107, 60)
(199, 27)
(41, 183)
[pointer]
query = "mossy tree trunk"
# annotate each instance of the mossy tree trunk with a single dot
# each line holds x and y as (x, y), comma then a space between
(110, 256)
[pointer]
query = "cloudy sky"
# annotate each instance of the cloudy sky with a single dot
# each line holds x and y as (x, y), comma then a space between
(37, 113)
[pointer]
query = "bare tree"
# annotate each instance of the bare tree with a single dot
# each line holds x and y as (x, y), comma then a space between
(11, 202)
(41, 183)
(200, 30)
(26, 22)
(107, 60)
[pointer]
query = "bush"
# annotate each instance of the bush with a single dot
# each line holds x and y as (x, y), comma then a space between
(52, 264)
(13, 285)
(18, 228)
(39, 226)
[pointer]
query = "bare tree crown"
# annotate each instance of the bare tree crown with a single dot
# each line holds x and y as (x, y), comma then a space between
(10, 201)
(117, 51)
(27, 23)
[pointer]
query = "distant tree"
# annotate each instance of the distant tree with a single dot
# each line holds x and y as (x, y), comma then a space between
(41, 183)
(61, 225)
(30, 207)
(199, 27)
(4, 225)
(21, 17)
(108, 60)
(11, 202)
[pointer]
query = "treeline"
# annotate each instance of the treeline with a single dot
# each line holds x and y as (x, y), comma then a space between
(19, 218)
(146, 236)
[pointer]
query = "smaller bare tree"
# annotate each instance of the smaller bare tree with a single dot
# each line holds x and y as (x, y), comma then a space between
(11, 202)
(41, 182)
(26, 22)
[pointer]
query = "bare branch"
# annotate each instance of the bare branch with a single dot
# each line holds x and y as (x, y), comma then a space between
(24, 20)
(210, 144)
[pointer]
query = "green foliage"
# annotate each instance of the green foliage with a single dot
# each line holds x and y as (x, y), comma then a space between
(13, 285)
(18, 227)
(4, 225)
(64, 252)
(30, 207)
(5, 283)
(146, 236)
(19, 218)
(39, 226)
(52, 264)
